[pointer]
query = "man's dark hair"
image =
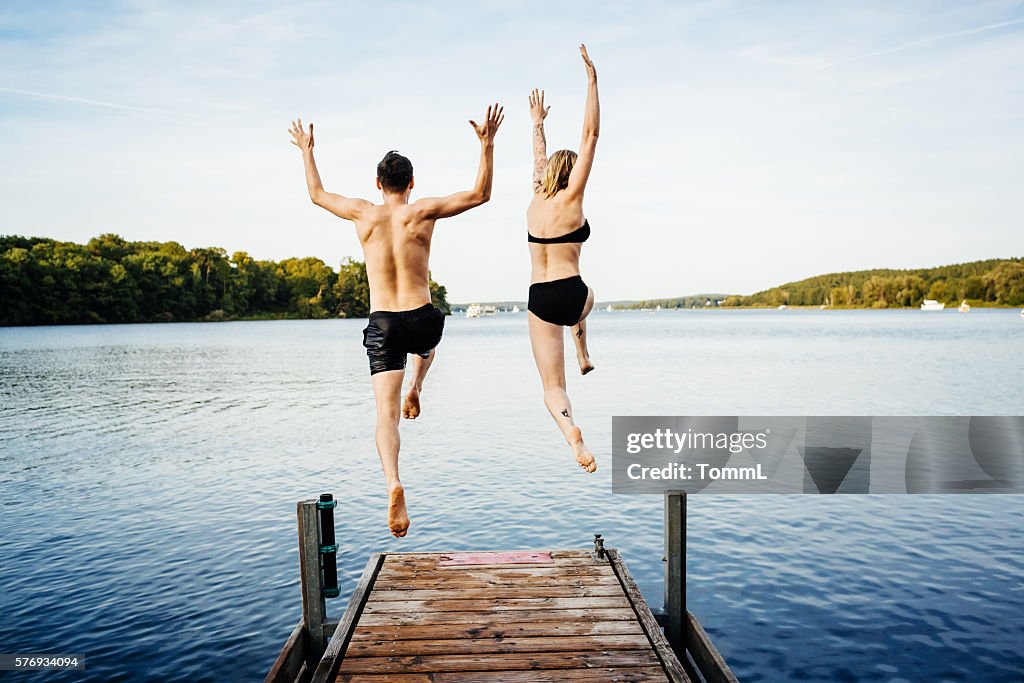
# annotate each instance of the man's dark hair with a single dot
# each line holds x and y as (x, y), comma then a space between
(394, 172)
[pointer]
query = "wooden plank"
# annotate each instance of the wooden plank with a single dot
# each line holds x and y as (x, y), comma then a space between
(385, 584)
(432, 565)
(487, 646)
(505, 572)
(705, 655)
(292, 658)
(494, 557)
(515, 629)
(486, 618)
(314, 608)
(555, 554)
(618, 675)
(328, 665)
(499, 662)
(375, 606)
(664, 652)
(456, 592)
(508, 573)
(572, 565)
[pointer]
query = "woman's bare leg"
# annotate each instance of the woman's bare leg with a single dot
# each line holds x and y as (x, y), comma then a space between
(548, 342)
(579, 336)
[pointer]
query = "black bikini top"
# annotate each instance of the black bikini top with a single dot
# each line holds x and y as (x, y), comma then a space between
(577, 236)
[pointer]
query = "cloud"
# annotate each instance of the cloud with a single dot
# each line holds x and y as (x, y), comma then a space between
(90, 102)
(920, 41)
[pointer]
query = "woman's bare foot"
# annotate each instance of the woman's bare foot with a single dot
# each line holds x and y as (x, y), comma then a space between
(583, 455)
(585, 365)
(411, 407)
(398, 518)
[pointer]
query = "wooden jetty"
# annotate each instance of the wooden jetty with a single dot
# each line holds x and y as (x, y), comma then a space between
(495, 616)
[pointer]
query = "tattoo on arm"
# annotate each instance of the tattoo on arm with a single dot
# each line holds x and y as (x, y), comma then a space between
(540, 156)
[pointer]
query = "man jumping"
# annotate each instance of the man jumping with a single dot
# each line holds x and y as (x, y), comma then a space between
(395, 236)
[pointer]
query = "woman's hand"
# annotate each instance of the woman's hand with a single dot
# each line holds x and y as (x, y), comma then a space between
(538, 112)
(591, 72)
(300, 138)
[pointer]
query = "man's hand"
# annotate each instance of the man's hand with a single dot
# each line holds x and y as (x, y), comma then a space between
(591, 72)
(538, 112)
(486, 131)
(300, 138)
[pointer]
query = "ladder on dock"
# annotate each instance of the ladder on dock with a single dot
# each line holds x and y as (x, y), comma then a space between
(497, 616)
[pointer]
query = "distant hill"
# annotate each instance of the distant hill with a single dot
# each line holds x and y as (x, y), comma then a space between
(621, 304)
(689, 301)
(995, 282)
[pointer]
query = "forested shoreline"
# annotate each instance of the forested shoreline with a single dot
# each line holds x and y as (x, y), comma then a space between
(112, 280)
(994, 282)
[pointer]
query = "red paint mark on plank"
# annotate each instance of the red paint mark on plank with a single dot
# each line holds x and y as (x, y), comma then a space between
(514, 557)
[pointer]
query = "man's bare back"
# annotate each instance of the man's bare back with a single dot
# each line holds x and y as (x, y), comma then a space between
(396, 245)
(395, 236)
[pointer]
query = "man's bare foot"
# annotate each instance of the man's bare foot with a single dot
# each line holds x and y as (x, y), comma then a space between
(398, 518)
(583, 455)
(585, 365)
(411, 407)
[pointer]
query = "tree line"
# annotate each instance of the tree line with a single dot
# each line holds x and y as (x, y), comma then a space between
(111, 280)
(995, 282)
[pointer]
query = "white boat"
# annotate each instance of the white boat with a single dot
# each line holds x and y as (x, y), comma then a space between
(964, 307)
(515, 309)
(1022, 312)
(478, 311)
(783, 307)
(932, 305)
(609, 309)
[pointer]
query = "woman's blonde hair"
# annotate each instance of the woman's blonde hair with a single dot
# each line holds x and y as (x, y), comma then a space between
(556, 177)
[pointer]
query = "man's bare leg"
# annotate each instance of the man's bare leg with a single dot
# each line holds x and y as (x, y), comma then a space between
(548, 343)
(579, 336)
(420, 365)
(387, 389)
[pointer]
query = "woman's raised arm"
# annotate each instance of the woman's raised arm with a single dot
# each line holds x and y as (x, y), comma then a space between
(538, 112)
(591, 129)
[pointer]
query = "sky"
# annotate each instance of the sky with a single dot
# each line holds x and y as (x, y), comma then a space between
(743, 145)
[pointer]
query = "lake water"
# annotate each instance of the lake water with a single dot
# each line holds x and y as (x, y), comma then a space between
(149, 474)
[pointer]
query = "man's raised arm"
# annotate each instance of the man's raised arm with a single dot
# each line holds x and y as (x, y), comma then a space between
(344, 207)
(454, 204)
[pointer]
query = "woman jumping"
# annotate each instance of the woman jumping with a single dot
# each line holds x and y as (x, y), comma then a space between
(557, 230)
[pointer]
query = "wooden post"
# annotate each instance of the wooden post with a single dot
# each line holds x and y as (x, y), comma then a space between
(314, 608)
(675, 571)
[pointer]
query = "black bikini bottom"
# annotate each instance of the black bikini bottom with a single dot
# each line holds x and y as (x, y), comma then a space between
(559, 302)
